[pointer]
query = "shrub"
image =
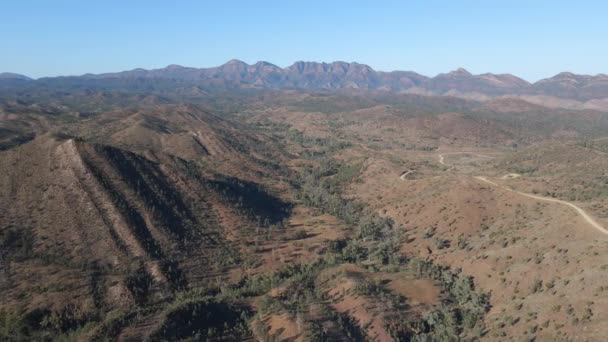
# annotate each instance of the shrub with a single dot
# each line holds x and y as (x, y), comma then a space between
(537, 285)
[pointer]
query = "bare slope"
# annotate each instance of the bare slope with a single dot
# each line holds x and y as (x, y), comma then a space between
(90, 228)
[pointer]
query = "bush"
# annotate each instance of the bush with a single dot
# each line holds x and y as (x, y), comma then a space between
(205, 319)
(537, 285)
(11, 326)
(139, 282)
(442, 243)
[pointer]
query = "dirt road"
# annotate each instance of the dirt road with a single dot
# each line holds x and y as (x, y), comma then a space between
(402, 177)
(442, 160)
(580, 211)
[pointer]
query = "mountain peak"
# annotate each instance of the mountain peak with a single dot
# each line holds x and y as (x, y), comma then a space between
(13, 76)
(174, 66)
(302, 66)
(565, 74)
(461, 71)
(236, 62)
(264, 64)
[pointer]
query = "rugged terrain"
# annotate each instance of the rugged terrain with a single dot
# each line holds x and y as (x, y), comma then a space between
(451, 180)
(315, 202)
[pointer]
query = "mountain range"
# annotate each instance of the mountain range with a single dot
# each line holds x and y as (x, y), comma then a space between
(337, 76)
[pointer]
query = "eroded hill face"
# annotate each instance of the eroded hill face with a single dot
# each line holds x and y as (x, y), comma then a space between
(122, 209)
(103, 212)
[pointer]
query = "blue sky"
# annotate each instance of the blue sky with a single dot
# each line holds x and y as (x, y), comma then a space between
(532, 39)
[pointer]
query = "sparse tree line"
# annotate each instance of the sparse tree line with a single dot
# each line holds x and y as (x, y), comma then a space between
(320, 187)
(377, 239)
(315, 147)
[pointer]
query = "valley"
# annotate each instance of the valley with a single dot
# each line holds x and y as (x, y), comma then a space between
(501, 227)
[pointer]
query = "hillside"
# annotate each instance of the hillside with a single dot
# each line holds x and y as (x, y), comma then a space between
(104, 228)
(423, 171)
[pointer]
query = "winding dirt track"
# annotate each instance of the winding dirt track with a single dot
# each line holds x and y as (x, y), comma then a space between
(402, 177)
(442, 161)
(580, 211)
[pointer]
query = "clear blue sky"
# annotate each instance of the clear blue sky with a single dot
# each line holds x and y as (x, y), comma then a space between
(532, 39)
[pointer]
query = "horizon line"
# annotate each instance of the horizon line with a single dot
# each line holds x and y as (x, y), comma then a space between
(463, 69)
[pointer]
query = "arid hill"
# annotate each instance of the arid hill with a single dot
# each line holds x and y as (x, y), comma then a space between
(90, 227)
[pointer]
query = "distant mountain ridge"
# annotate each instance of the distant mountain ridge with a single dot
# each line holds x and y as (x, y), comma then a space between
(343, 75)
(13, 76)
